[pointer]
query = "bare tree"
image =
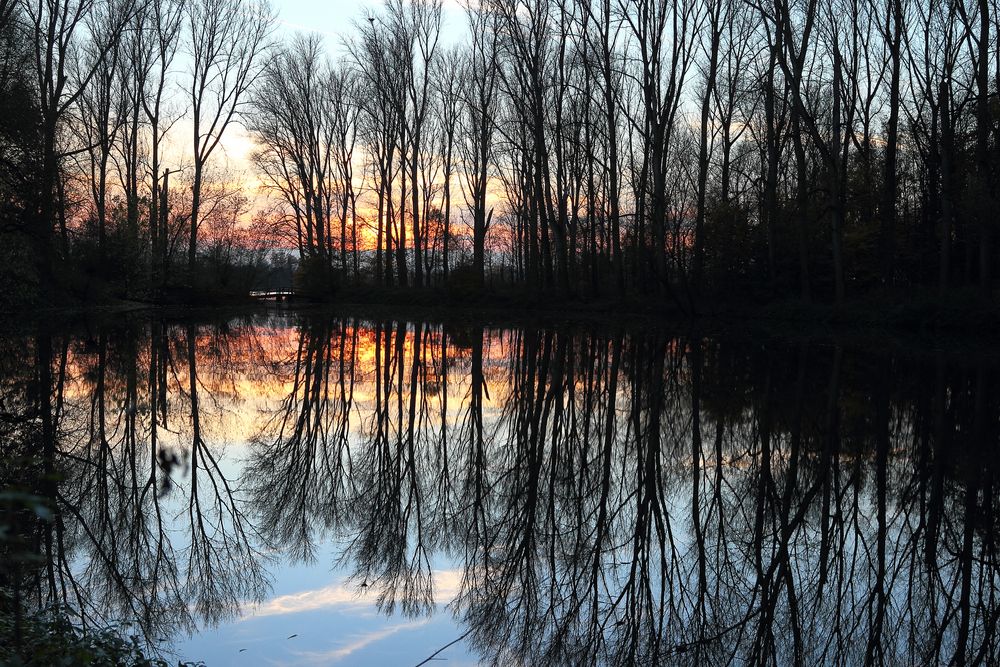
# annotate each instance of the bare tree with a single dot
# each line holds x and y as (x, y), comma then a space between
(58, 32)
(418, 27)
(161, 26)
(478, 124)
(228, 39)
(292, 121)
(102, 115)
(449, 107)
(345, 112)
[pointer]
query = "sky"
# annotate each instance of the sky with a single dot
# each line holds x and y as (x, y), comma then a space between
(335, 18)
(332, 18)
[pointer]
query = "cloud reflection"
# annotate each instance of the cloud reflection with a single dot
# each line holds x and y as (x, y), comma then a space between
(446, 585)
(358, 643)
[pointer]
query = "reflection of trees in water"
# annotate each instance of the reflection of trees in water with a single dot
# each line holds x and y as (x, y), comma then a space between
(609, 498)
(647, 499)
(101, 427)
(304, 460)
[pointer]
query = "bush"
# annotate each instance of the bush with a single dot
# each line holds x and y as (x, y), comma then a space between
(49, 637)
(463, 281)
(316, 279)
(18, 278)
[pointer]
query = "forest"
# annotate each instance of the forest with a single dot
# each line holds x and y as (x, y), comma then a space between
(672, 152)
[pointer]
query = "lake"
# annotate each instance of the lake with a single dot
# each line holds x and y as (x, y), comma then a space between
(304, 487)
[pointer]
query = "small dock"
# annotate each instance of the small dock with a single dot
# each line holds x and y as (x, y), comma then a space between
(276, 295)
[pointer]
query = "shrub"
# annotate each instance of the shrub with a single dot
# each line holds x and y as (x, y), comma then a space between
(18, 278)
(49, 637)
(463, 281)
(316, 279)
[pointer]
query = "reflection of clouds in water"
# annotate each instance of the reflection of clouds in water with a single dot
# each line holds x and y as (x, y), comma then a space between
(446, 587)
(357, 643)
(328, 596)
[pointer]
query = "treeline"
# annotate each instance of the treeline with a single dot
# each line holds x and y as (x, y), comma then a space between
(654, 149)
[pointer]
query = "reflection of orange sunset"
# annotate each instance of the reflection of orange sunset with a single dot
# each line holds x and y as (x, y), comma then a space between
(244, 375)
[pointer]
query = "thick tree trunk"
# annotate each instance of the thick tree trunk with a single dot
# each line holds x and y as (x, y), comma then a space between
(987, 207)
(192, 257)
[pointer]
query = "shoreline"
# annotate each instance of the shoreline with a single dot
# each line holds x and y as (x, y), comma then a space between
(963, 324)
(872, 309)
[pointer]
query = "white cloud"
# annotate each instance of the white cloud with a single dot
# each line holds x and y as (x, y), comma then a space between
(358, 643)
(446, 584)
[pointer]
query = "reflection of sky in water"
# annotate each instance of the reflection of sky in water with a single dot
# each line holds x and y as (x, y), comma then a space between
(335, 621)
(334, 624)
(561, 467)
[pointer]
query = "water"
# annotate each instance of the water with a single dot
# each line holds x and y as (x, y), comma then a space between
(383, 489)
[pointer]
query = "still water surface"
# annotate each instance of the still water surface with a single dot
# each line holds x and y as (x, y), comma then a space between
(293, 488)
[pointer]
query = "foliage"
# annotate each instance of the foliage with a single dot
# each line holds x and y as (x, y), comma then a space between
(50, 638)
(18, 278)
(314, 278)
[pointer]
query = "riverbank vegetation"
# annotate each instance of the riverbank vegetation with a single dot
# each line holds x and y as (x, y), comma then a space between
(39, 635)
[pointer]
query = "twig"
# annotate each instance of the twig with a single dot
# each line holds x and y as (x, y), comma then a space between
(432, 655)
